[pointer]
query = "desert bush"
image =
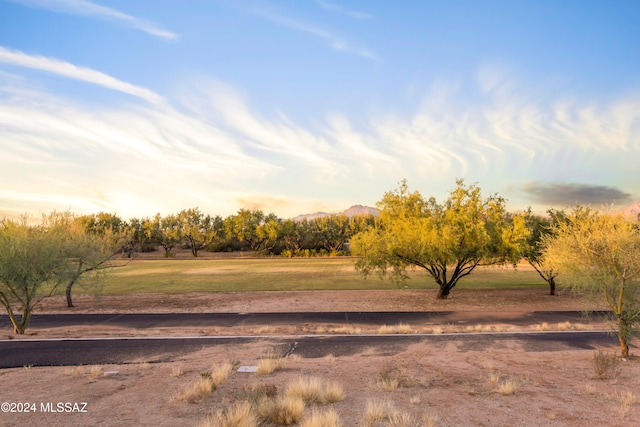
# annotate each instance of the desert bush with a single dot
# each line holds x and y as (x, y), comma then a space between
(308, 389)
(220, 372)
(605, 365)
(393, 376)
(95, 372)
(76, 371)
(333, 392)
(268, 366)
(197, 390)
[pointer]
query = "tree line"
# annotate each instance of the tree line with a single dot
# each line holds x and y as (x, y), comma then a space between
(595, 253)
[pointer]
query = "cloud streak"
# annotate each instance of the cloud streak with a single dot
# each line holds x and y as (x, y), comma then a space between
(339, 9)
(336, 42)
(86, 8)
(66, 69)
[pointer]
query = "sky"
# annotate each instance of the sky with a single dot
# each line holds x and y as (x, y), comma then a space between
(298, 106)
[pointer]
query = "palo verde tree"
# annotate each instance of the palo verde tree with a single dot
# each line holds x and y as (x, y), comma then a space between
(447, 240)
(599, 254)
(31, 261)
(88, 250)
(541, 227)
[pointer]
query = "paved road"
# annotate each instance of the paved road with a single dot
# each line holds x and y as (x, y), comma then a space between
(142, 321)
(18, 353)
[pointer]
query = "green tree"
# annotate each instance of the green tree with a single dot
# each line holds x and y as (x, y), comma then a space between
(31, 260)
(196, 229)
(447, 240)
(169, 232)
(599, 254)
(88, 251)
(330, 232)
(541, 227)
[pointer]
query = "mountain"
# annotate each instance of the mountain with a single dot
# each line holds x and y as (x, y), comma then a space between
(352, 211)
(632, 210)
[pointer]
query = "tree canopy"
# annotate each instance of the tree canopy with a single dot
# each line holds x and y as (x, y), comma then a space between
(448, 240)
(599, 254)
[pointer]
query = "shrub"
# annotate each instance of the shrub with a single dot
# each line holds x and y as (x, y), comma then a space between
(605, 365)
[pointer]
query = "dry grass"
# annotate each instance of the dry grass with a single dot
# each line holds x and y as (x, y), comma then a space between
(269, 366)
(95, 372)
(240, 414)
(400, 328)
(625, 400)
(177, 371)
(208, 382)
(506, 387)
(283, 410)
(605, 365)
(376, 411)
(393, 376)
(75, 371)
(317, 418)
(314, 390)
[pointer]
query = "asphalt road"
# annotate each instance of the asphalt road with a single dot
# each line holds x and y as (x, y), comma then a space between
(71, 352)
(142, 321)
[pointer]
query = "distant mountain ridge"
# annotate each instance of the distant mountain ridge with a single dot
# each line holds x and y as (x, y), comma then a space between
(632, 210)
(352, 211)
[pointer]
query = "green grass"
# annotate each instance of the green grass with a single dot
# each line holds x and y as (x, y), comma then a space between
(280, 274)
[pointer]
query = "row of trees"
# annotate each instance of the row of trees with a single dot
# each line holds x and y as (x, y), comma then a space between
(593, 252)
(598, 254)
(251, 230)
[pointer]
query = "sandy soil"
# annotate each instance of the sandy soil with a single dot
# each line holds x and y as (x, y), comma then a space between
(446, 380)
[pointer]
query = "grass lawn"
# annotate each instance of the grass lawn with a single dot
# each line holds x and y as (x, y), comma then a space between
(283, 274)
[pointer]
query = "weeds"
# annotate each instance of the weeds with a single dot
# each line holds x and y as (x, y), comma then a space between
(322, 419)
(605, 365)
(625, 400)
(400, 328)
(281, 411)
(240, 414)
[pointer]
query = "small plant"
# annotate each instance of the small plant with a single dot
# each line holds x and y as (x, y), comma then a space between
(393, 376)
(333, 392)
(95, 372)
(506, 387)
(76, 371)
(376, 411)
(283, 411)
(177, 371)
(269, 366)
(625, 399)
(240, 414)
(220, 372)
(144, 366)
(401, 419)
(322, 419)
(308, 389)
(605, 365)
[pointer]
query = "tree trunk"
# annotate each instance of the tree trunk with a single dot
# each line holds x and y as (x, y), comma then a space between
(68, 293)
(552, 286)
(623, 333)
(443, 292)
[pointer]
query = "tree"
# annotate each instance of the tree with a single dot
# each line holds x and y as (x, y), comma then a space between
(330, 232)
(599, 254)
(169, 232)
(448, 240)
(87, 250)
(539, 227)
(31, 260)
(196, 229)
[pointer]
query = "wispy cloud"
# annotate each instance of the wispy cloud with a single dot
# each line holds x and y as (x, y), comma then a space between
(86, 8)
(66, 69)
(335, 41)
(339, 9)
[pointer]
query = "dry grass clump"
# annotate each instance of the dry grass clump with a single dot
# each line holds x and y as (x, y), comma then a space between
(321, 419)
(379, 411)
(271, 361)
(393, 376)
(506, 387)
(313, 390)
(95, 372)
(376, 411)
(76, 371)
(208, 382)
(284, 410)
(240, 414)
(605, 365)
(177, 371)
(625, 400)
(400, 328)
(269, 366)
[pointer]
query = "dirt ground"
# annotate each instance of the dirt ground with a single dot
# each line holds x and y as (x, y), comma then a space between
(443, 383)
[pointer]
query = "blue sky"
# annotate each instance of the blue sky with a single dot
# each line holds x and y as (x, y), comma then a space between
(297, 106)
